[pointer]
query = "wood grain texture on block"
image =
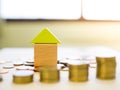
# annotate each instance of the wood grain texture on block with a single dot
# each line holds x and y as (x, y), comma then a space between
(45, 54)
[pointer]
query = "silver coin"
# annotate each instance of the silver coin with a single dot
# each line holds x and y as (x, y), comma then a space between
(18, 63)
(29, 64)
(8, 66)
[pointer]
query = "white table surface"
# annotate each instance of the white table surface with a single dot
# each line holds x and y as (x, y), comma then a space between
(11, 54)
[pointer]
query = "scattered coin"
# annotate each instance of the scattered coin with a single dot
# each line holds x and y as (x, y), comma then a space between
(65, 69)
(24, 68)
(3, 71)
(31, 68)
(60, 66)
(30, 61)
(2, 62)
(92, 65)
(8, 66)
(64, 62)
(18, 63)
(28, 64)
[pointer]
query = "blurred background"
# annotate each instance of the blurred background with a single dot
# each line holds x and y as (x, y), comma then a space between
(18, 32)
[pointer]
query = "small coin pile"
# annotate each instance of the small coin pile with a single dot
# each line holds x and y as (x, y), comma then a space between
(106, 67)
(23, 76)
(78, 72)
(49, 74)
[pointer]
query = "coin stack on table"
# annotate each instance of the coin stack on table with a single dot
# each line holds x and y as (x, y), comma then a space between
(49, 74)
(106, 67)
(23, 76)
(78, 72)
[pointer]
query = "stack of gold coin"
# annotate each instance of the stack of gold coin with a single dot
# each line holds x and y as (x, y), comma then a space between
(23, 76)
(78, 72)
(49, 74)
(106, 67)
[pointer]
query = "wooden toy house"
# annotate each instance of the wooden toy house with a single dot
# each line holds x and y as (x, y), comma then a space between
(45, 49)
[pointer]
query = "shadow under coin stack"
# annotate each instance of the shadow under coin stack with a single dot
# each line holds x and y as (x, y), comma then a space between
(49, 74)
(106, 67)
(78, 72)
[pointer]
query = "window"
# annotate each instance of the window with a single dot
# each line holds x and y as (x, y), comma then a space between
(41, 9)
(101, 9)
(61, 9)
